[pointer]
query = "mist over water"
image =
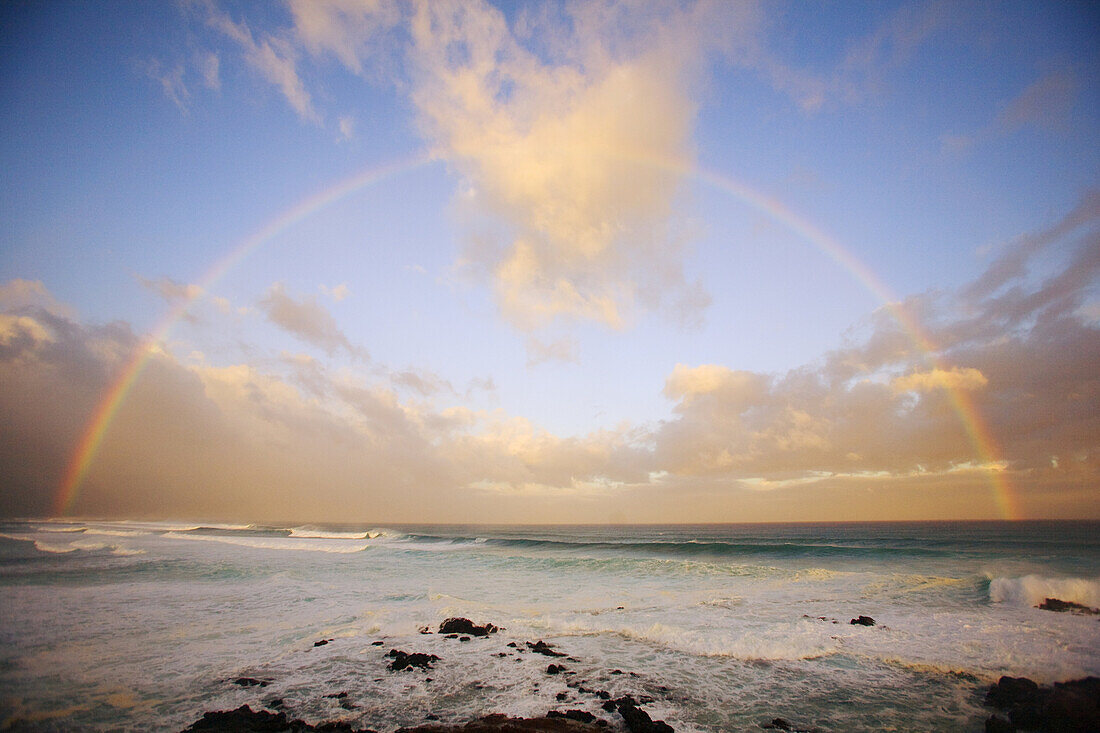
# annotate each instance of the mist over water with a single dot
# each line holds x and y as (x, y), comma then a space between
(137, 625)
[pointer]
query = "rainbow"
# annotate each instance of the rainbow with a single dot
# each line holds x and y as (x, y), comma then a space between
(978, 433)
(100, 421)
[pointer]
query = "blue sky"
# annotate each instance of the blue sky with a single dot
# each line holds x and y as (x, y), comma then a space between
(543, 286)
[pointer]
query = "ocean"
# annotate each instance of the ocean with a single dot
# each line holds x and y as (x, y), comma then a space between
(125, 625)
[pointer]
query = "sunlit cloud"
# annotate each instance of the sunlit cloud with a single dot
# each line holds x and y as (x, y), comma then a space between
(307, 319)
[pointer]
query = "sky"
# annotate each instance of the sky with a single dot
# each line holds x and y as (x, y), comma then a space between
(550, 262)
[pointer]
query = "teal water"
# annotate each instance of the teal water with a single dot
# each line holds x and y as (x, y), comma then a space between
(138, 626)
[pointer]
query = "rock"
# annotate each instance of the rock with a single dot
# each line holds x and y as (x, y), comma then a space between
(862, 621)
(582, 715)
(465, 626)
(322, 642)
(1011, 691)
(337, 695)
(638, 720)
(246, 720)
(251, 682)
(1066, 707)
(463, 638)
(1055, 604)
(616, 671)
(561, 696)
(377, 643)
(555, 669)
(777, 724)
(997, 724)
(541, 647)
(424, 630)
(404, 660)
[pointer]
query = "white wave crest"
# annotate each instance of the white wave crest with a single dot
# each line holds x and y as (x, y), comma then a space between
(277, 543)
(317, 534)
(1031, 590)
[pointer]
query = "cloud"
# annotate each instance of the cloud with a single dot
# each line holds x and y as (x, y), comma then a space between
(18, 294)
(564, 349)
(273, 57)
(965, 378)
(568, 133)
(337, 292)
(177, 294)
(170, 80)
(346, 125)
(210, 67)
(1046, 103)
(306, 319)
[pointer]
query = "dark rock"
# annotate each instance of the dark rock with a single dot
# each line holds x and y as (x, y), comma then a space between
(274, 703)
(337, 695)
(377, 643)
(513, 644)
(1066, 707)
(404, 660)
(322, 642)
(1010, 691)
(619, 608)
(246, 720)
(424, 630)
(777, 724)
(603, 694)
(541, 647)
(465, 626)
(616, 671)
(431, 716)
(862, 621)
(997, 724)
(451, 636)
(561, 696)
(463, 638)
(1055, 604)
(251, 682)
(555, 669)
(638, 720)
(582, 715)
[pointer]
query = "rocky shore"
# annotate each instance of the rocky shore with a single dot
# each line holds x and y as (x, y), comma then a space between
(1022, 705)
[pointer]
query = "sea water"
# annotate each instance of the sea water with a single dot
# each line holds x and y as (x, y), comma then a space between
(146, 625)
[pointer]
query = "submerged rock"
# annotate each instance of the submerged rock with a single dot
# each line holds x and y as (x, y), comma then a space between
(466, 626)
(1056, 604)
(251, 682)
(541, 647)
(404, 660)
(862, 621)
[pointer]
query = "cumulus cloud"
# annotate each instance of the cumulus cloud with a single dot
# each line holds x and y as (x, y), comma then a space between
(239, 440)
(307, 319)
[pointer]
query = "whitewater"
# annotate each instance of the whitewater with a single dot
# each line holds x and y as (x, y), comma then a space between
(126, 625)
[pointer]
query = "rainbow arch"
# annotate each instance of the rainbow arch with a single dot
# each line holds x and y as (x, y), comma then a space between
(978, 432)
(115, 395)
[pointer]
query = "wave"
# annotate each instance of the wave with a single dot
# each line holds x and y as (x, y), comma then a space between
(275, 542)
(1031, 590)
(691, 548)
(313, 533)
(237, 530)
(54, 548)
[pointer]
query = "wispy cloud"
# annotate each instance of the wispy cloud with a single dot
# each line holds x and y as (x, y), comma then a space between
(307, 319)
(273, 57)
